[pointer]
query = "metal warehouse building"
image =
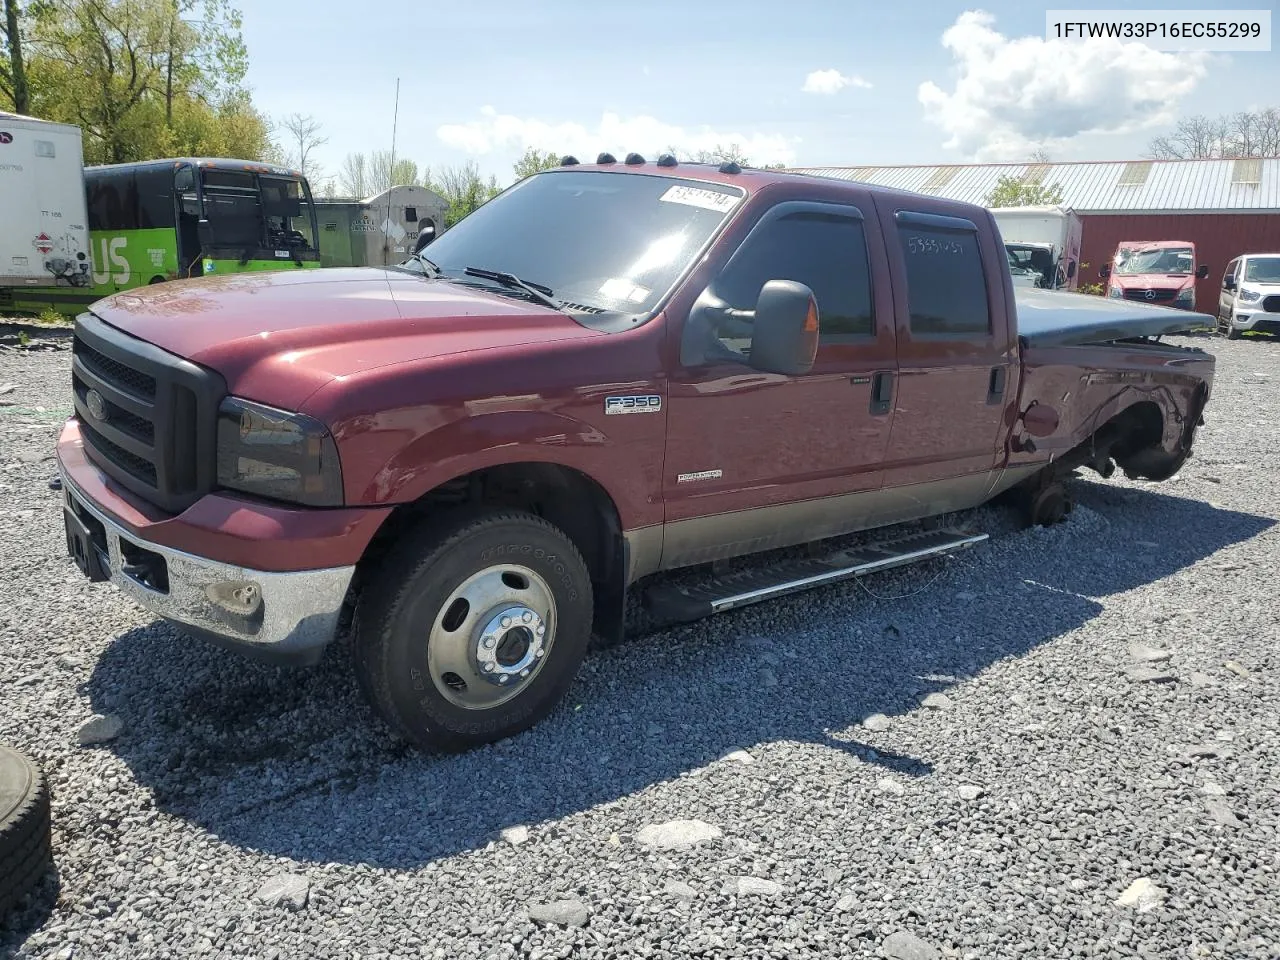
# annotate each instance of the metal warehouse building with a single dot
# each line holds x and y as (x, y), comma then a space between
(1224, 207)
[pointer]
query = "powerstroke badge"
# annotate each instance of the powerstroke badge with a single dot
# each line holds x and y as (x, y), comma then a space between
(617, 405)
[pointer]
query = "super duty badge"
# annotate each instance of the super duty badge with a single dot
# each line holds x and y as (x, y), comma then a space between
(650, 404)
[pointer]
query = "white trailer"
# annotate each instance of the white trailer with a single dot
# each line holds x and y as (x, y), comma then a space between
(44, 229)
(1043, 245)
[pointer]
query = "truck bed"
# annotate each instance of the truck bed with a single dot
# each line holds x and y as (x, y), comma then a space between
(1054, 318)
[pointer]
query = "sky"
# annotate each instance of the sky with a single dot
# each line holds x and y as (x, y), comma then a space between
(804, 83)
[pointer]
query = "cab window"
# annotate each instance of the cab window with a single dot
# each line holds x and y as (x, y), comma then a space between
(946, 284)
(825, 250)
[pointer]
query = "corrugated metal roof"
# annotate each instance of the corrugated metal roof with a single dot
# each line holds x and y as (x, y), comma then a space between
(1095, 187)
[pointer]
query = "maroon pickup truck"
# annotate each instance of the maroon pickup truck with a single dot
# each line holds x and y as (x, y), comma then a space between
(466, 462)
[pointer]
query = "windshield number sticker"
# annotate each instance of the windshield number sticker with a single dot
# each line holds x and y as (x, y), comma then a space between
(619, 405)
(698, 197)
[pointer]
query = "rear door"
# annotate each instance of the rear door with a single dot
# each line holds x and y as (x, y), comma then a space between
(957, 349)
(755, 459)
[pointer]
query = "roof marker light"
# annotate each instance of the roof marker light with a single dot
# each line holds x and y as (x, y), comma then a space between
(667, 160)
(568, 161)
(606, 158)
(634, 159)
(730, 167)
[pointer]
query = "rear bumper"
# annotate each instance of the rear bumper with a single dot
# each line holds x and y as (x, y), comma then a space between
(283, 616)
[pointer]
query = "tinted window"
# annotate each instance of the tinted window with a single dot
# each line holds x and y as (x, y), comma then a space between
(155, 198)
(825, 251)
(112, 199)
(229, 178)
(946, 289)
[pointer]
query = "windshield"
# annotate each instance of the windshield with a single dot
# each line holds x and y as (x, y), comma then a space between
(600, 242)
(1262, 270)
(287, 207)
(1179, 260)
(248, 212)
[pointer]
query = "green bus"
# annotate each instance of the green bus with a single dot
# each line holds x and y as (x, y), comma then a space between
(187, 217)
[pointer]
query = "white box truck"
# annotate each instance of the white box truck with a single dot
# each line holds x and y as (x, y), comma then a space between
(44, 228)
(1043, 244)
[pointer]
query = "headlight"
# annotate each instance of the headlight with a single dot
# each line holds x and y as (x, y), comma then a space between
(1115, 293)
(1250, 296)
(1185, 296)
(277, 455)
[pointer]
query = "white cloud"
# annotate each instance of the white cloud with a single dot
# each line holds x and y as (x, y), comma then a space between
(496, 132)
(1011, 96)
(832, 81)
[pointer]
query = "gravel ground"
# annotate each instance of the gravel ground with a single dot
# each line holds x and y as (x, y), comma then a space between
(1096, 778)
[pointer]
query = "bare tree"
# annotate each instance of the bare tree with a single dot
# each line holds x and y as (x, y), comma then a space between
(1039, 155)
(1228, 136)
(354, 176)
(383, 175)
(303, 136)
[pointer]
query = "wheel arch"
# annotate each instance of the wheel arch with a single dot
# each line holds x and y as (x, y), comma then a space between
(573, 501)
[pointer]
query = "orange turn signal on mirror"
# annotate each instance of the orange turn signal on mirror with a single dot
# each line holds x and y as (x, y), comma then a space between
(811, 321)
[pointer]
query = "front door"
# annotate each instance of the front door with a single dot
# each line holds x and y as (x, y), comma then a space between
(753, 458)
(1227, 294)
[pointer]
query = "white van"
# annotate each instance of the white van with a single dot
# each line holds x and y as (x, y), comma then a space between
(1250, 295)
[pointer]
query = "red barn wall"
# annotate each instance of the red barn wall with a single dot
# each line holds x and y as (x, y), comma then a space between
(1219, 237)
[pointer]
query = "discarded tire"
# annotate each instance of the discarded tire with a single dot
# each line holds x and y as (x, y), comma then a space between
(25, 851)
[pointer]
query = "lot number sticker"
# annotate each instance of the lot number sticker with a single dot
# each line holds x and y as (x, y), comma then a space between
(697, 197)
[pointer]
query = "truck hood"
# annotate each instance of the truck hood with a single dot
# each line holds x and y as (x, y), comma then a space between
(1157, 281)
(278, 337)
(1055, 318)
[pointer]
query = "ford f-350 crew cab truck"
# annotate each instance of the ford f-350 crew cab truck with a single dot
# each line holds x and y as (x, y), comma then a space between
(608, 371)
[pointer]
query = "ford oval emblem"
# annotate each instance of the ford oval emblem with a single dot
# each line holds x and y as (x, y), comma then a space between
(97, 406)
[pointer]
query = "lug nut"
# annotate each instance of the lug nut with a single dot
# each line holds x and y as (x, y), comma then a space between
(539, 652)
(488, 668)
(490, 642)
(541, 629)
(527, 616)
(503, 678)
(524, 673)
(506, 622)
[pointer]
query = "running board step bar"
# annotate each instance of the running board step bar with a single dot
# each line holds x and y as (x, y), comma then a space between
(683, 604)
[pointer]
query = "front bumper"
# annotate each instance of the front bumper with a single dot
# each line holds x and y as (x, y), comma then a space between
(283, 616)
(1259, 321)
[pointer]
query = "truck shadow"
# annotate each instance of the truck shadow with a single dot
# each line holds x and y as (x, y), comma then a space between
(291, 763)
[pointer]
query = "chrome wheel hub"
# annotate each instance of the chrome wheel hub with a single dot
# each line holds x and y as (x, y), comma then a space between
(510, 645)
(491, 636)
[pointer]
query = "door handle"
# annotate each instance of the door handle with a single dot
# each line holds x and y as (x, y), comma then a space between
(995, 385)
(881, 393)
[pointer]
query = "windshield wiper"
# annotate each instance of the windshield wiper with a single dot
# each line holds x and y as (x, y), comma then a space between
(536, 290)
(428, 268)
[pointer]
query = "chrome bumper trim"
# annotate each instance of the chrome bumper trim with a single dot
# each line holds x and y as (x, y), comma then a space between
(297, 612)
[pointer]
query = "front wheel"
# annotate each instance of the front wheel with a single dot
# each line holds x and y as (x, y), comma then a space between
(472, 631)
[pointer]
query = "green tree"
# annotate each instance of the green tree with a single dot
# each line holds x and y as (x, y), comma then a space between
(1015, 191)
(138, 76)
(13, 72)
(534, 161)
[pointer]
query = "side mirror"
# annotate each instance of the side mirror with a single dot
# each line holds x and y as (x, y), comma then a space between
(784, 336)
(1071, 269)
(1104, 270)
(1202, 272)
(1228, 283)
